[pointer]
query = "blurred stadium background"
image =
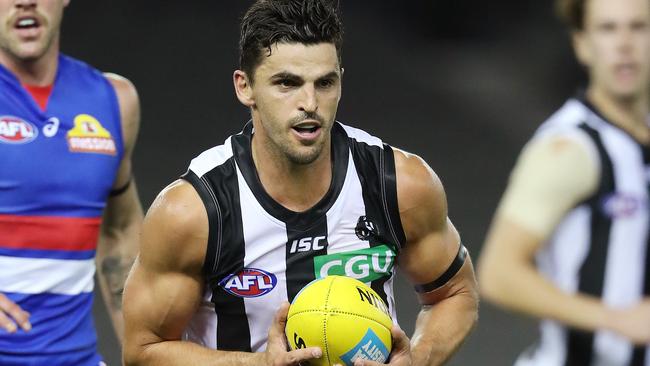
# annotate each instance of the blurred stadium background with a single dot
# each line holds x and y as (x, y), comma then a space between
(461, 83)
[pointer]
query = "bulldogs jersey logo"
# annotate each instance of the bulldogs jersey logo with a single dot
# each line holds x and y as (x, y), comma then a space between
(89, 136)
(250, 282)
(14, 130)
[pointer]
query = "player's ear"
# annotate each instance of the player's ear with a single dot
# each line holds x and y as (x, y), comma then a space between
(66, 2)
(243, 88)
(581, 47)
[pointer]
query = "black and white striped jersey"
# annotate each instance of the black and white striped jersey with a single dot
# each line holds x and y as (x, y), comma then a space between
(600, 247)
(260, 254)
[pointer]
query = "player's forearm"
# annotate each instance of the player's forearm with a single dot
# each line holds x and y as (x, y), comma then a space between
(441, 328)
(175, 353)
(522, 288)
(115, 257)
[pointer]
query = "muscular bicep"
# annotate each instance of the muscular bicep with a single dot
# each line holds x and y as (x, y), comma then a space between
(433, 243)
(158, 305)
(165, 286)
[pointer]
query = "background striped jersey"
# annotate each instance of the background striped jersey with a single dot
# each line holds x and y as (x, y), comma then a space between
(601, 246)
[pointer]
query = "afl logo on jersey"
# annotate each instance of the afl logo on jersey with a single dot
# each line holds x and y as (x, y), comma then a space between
(618, 205)
(250, 282)
(14, 130)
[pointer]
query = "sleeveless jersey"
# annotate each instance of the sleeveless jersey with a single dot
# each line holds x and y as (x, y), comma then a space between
(58, 167)
(601, 246)
(260, 254)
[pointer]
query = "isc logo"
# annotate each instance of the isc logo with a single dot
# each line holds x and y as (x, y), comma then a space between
(307, 244)
(14, 130)
(250, 282)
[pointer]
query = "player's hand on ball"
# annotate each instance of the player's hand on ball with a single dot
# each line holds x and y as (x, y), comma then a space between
(276, 348)
(400, 354)
(11, 314)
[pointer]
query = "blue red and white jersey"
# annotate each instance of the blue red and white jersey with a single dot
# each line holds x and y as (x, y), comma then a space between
(57, 167)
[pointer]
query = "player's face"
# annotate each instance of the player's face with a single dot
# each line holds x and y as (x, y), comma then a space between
(28, 28)
(296, 92)
(615, 46)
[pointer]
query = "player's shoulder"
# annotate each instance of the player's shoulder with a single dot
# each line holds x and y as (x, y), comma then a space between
(179, 204)
(562, 137)
(124, 88)
(129, 104)
(176, 226)
(570, 115)
(419, 188)
(415, 173)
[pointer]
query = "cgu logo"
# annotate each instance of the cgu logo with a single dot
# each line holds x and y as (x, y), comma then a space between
(250, 282)
(307, 244)
(14, 130)
(365, 265)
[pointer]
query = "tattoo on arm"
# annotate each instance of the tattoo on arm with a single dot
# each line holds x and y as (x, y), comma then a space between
(115, 272)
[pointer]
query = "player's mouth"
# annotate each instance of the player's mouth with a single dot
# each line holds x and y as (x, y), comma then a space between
(28, 27)
(626, 70)
(307, 130)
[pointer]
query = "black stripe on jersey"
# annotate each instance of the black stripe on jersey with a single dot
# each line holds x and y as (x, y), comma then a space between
(389, 195)
(302, 247)
(592, 273)
(214, 227)
(233, 331)
(640, 354)
(376, 170)
(298, 220)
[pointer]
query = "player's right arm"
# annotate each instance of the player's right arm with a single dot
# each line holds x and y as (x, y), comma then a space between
(165, 288)
(552, 175)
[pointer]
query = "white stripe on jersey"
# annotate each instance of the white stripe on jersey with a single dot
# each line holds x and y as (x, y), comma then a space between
(362, 136)
(54, 276)
(210, 158)
(201, 327)
(552, 348)
(560, 262)
(269, 255)
(349, 206)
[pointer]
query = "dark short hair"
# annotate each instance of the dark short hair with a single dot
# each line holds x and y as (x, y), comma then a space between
(268, 22)
(572, 13)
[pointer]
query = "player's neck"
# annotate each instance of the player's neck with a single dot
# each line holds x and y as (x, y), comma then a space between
(629, 114)
(38, 72)
(297, 187)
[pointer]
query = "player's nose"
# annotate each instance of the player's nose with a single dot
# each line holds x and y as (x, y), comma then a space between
(309, 99)
(25, 3)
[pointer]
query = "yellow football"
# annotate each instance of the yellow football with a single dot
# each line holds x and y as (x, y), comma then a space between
(344, 317)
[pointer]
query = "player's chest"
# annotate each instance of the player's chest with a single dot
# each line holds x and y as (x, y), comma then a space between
(63, 146)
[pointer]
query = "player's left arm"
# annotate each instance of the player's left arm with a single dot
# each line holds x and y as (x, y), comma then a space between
(118, 241)
(437, 265)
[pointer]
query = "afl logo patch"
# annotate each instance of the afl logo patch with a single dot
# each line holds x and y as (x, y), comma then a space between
(250, 282)
(619, 204)
(14, 130)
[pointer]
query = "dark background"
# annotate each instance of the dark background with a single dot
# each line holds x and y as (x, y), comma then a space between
(461, 83)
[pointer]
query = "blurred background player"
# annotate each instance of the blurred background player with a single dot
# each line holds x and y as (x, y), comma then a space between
(294, 197)
(577, 202)
(66, 137)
